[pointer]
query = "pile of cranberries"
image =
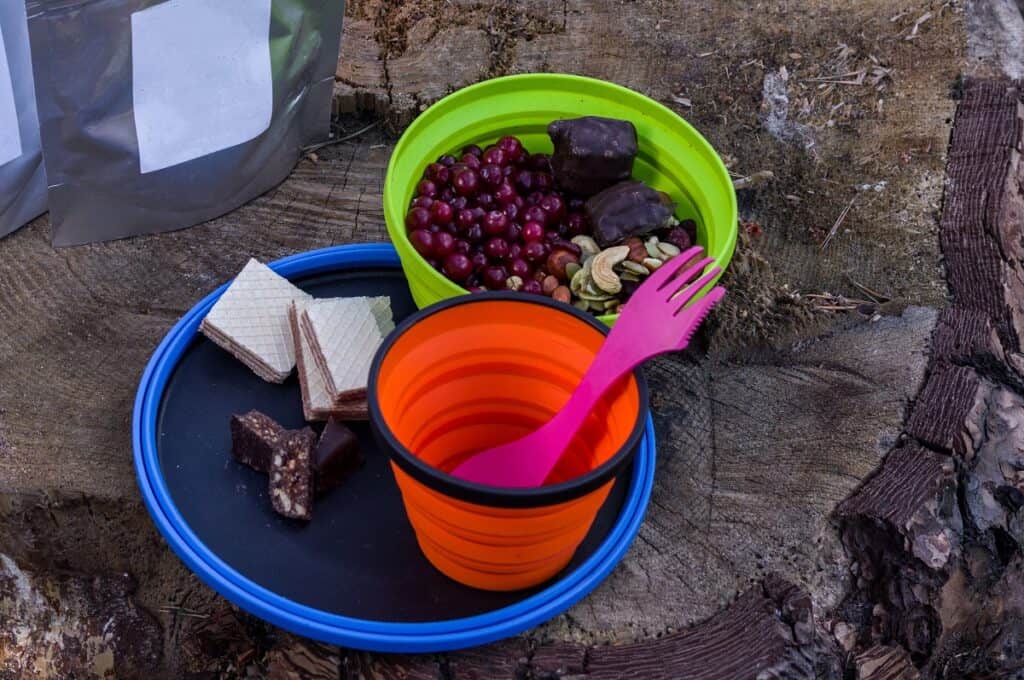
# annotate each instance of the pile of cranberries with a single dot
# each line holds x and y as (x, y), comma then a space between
(493, 214)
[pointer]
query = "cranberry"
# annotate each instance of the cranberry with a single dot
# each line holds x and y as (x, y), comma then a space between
(462, 247)
(512, 210)
(505, 193)
(447, 194)
(495, 277)
(551, 236)
(508, 170)
(554, 206)
(434, 229)
(542, 181)
(575, 224)
(473, 150)
(535, 213)
(519, 267)
(446, 160)
(484, 200)
(441, 212)
(495, 223)
(434, 173)
(444, 176)
(426, 188)
(576, 204)
(466, 182)
(514, 250)
(459, 202)
(533, 231)
(512, 147)
(471, 161)
(465, 218)
(478, 213)
(422, 241)
(494, 155)
(678, 237)
(524, 181)
(422, 202)
(479, 261)
(539, 161)
(519, 201)
(417, 218)
(491, 175)
(496, 248)
(457, 267)
(534, 251)
(513, 232)
(532, 287)
(444, 244)
(474, 234)
(436, 264)
(534, 198)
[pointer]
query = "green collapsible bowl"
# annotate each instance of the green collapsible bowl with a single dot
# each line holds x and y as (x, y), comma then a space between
(673, 157)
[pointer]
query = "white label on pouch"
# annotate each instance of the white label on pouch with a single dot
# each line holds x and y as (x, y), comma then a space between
(201, 78)
(10, 133)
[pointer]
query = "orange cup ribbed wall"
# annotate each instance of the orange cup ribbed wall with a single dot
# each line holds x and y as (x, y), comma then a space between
(476, 375)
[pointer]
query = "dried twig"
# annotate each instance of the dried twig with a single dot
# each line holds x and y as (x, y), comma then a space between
(346, 138)
(757, 179)
(880, 298)
(839, 221)
(175, 609)
(917, 25)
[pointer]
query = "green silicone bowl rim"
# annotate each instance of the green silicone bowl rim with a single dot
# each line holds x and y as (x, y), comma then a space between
(394, 207)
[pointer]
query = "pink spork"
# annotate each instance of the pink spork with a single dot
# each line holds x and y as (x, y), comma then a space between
(654, 321)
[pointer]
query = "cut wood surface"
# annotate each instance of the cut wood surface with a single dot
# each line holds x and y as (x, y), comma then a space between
(837, 488)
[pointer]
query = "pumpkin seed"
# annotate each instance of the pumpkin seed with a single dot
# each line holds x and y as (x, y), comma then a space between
(652, 247)
(669, 249)
(652, 263)
(635, 268)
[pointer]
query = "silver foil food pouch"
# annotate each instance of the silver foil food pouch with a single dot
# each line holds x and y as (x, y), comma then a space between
(160, 114)
(22, 178)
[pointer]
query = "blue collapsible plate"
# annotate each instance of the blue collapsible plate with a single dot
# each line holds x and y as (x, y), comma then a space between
(354, 575)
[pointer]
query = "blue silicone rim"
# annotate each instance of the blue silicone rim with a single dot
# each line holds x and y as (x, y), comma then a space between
(371, 635)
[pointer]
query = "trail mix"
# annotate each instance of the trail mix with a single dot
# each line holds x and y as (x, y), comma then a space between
(572, 225)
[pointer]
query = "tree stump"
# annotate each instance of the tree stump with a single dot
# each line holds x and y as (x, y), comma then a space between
(839, 477)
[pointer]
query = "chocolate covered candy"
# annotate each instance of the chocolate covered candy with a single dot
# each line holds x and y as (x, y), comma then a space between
(291, 474)
(336, 457)
(626, 209)
(592, 153)
(254, 436)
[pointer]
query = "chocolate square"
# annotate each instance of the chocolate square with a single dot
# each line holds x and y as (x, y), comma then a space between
(337, 456)
(253, 438)
(291, 474)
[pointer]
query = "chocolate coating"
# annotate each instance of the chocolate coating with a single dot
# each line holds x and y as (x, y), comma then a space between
(627, 209)
(592, 153)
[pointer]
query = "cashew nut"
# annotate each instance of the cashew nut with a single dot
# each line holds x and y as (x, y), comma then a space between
(587, 245)
(602, 271)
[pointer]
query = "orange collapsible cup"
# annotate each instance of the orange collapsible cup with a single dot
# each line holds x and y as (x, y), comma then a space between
(480, 370)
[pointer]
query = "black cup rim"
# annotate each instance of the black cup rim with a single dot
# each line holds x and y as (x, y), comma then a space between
(483, 494)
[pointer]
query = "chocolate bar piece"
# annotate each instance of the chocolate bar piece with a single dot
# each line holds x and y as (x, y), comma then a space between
(253, 439)
(627, 209)
(592, 153)
(291, 474)
(337, 456)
